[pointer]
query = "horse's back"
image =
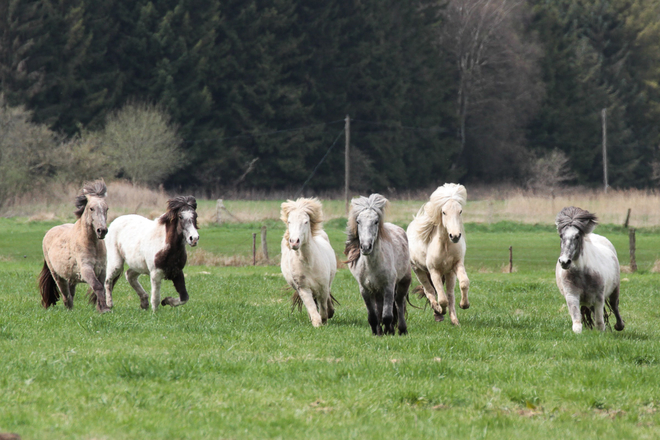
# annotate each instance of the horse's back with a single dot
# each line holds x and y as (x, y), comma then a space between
(400, 248)
(128, 236)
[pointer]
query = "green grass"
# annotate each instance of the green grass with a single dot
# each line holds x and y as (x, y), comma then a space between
(236, 363)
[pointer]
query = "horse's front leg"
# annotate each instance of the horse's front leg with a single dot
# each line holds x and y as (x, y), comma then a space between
(443, 301)
(372, 316)
(429, 290)
(308, 300)
(464, 284)
(89, 276)
(132, 278)
(450, 281)
(387, 302)
(180, 285)
(573, 304)
(156, 278)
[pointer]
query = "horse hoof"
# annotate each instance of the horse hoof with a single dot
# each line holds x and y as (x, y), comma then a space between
(104, 310)
(438, 317)
(618, 327)
(167, 301)
(466, 306)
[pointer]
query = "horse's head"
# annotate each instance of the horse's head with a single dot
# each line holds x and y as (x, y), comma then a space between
(181, 210)
(365, 222)
(573, 224)
(303, 220)
(92, 207)
(452, 220)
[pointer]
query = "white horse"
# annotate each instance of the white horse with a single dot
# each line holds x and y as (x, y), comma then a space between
(379, 260)
(437, 249)
(587, 270)
(308, 261)
(154, 247)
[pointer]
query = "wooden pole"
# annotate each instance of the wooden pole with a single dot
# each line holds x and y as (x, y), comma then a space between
(264, 244)
(510, 259)
(625, 225)
(219, 207)
(254, 248)
(631, 241)
(604, 118)
(347, 161)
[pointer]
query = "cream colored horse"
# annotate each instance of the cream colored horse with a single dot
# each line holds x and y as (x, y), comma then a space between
(308, 261)
(437, 249)
(75, 253)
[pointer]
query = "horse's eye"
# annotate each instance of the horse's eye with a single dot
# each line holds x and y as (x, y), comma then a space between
(91, 209)
(376, 221)
(444, 213)
(460, 212)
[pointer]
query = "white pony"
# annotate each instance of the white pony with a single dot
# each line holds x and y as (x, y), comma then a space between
(308, 261)
(379, 260)
(154, 247)
(437, 249)
(587, 270)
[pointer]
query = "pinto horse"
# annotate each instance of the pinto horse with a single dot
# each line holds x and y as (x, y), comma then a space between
(154, 247)
(437, 249)
(379, 260)
(308, 261)
(587, 271)
(75, 253)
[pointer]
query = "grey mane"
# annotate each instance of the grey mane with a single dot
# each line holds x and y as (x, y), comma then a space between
(583, 220)
(376, 202)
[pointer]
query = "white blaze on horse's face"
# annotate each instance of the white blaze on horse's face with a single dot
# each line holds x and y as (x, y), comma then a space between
(367, 226)
(187, 221)
(571, 244)
(96, 211)
(451, 219)
(299, 229)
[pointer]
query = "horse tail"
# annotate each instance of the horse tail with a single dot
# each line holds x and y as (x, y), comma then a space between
(48, 287)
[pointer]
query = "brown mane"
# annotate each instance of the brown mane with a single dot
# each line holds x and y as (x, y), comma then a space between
(90, 189)
(376, 202)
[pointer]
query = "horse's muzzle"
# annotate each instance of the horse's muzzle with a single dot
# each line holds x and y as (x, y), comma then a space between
(366, 249)
(565, 264)
(455, 238)
(100, 233)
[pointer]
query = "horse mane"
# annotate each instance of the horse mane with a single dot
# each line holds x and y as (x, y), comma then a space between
(311, 206)
(175, 205)
(376, 202)
(96, 188)
(583, 220)
(430, 214)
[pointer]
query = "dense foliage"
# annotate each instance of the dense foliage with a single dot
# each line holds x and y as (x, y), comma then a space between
(477, 90)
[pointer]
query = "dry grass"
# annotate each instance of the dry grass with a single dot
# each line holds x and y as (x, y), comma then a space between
(485, 205)
(200, 257)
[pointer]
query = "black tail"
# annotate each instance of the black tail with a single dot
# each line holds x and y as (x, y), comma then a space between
(48, 288)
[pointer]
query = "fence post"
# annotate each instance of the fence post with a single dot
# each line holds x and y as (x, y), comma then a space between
(219, 207)
(264, 244)
(254, 248)
(631, 240)
(625, 224)
(510, 259)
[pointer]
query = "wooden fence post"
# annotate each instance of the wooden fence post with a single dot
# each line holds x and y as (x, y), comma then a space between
(264, 244)
(510, 259)
(254, 248)
(219, 207)
(631, 240)
(625, 224)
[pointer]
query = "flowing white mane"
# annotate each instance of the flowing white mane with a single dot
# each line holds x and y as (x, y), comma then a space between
(430, 214)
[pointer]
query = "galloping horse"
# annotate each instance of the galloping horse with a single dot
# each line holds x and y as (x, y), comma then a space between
(75, 253)
(437, 249)
(154, 247)
(379, 260)
(587, 271)
(308, 261)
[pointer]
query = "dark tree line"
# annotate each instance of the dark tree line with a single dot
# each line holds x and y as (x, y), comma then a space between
(471, 90)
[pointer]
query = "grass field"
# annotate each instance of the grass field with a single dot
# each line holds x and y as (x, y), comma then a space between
(235, 363)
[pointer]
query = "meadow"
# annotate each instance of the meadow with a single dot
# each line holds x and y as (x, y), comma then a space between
(235, 362)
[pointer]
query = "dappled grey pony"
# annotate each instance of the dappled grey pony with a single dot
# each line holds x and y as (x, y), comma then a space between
(379, 260)
(75, 253)
(587, 270)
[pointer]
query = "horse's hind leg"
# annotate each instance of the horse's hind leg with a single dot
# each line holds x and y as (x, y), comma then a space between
(64, 287)
(113, 272)
(599, 309)
(464, 284)
(400, 302)
(331, 307)
(613, 300)
(451, 299)
(132, 278)
(180, 286)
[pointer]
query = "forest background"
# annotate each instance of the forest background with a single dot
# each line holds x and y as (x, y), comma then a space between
(210, 95)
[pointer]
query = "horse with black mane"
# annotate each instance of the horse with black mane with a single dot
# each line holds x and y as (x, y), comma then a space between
(587, 271)
(74, 252)
(154, 247)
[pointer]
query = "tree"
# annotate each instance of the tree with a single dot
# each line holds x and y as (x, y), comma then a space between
(143, 143)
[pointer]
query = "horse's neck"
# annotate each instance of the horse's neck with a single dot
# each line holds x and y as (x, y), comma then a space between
(173, 238)
(84, 232)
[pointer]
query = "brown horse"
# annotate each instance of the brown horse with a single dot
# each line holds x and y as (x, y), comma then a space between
(74, 253)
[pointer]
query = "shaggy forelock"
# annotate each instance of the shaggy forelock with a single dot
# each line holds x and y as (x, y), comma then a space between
(583, 220)
(311, 206)
(430, 214)
(375, 202)
(96, 188)
(178, 204)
